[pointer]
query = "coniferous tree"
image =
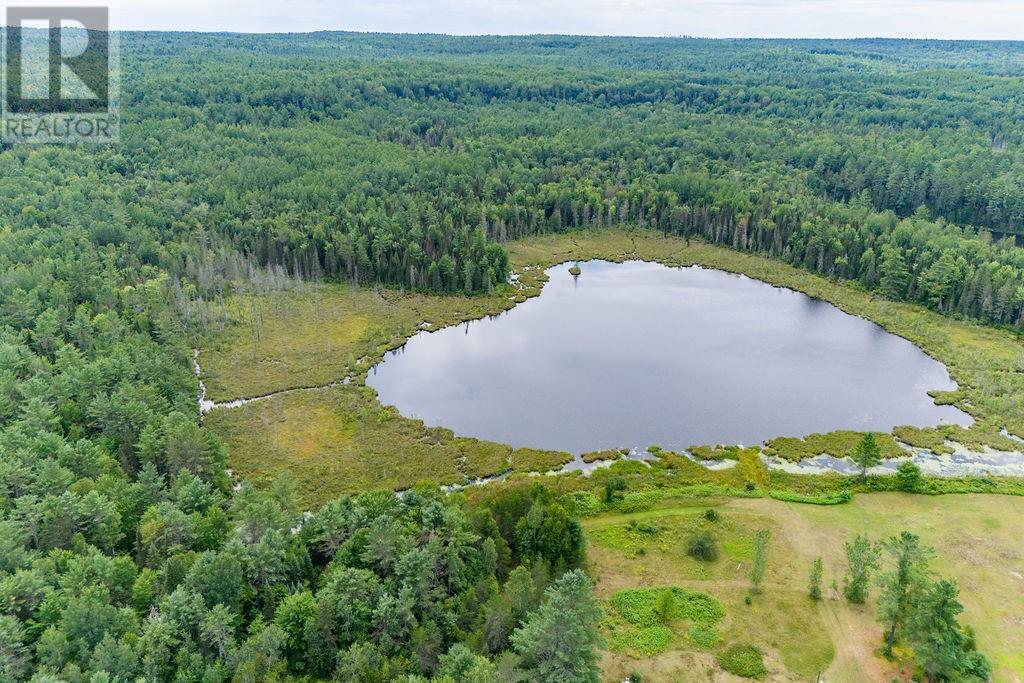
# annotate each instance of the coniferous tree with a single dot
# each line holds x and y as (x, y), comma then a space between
(944, 650)
(866, 454)
(558, 642)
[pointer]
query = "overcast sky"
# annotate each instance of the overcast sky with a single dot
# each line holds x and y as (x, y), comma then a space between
(1002, 19)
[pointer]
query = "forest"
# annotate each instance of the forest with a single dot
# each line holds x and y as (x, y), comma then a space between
(126, 549)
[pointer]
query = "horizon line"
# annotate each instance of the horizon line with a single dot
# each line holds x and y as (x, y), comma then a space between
(414, 34)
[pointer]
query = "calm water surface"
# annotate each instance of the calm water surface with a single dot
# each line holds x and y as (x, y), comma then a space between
(633, 354)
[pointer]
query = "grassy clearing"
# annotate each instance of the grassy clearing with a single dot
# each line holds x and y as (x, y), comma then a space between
(340, 440)
(648, 549)
(796, 636)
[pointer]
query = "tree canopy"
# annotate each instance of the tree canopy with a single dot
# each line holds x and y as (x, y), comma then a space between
(127, 551)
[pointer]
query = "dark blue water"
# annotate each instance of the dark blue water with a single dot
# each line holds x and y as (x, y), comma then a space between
(637, 353)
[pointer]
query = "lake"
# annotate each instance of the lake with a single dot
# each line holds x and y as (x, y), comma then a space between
(634, 354)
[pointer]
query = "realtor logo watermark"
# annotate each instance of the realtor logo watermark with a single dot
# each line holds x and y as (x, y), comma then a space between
(61, 76)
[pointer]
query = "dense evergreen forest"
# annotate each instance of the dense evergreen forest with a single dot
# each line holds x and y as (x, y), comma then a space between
(126, 550)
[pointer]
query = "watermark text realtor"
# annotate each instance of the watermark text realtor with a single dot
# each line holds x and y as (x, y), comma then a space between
(61, 76)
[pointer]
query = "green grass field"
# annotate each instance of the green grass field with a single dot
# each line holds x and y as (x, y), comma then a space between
(977, 539)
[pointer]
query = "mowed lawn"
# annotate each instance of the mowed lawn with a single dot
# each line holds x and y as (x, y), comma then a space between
(977, 537)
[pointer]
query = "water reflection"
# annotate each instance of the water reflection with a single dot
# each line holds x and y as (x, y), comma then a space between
(638, 353)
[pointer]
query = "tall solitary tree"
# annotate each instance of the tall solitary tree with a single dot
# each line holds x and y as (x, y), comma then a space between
(861, 561)
(757, 567)
(866, 454)
(903, 584)
(814, 583)
(558, 642)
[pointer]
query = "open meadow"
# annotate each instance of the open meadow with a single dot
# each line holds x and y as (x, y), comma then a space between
(977, 539)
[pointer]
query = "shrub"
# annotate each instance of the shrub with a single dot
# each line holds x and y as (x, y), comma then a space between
(862, 561)
(743, 660)
(644, 607)
(647, 528)
(647, 642)
(824, 498)
(711, 515)
(703, 637)
(612, 489)
(701, 546)
(814, 583)
(908, 476)
(583, 503)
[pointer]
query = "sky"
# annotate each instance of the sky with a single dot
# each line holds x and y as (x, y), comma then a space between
(977, 19)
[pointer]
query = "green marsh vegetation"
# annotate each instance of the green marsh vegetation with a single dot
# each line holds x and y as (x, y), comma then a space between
(315, 333)
(605, 454)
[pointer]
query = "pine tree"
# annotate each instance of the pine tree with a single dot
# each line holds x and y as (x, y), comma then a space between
(935, 634)
(558, 642)
(894, 275)
(866, 454)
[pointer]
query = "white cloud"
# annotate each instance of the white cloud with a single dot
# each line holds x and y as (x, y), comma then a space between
(1003, 19)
